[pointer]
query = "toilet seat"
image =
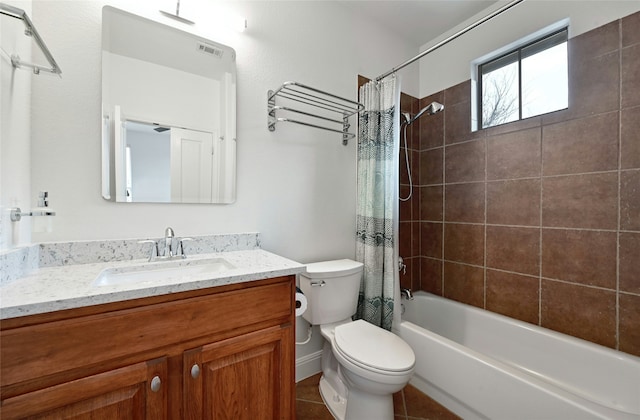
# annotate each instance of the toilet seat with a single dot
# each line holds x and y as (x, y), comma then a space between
(373, 348)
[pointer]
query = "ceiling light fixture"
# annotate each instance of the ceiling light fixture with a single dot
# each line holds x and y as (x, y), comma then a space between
(177, 16)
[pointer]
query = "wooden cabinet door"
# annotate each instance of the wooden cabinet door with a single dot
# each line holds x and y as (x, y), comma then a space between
(124, 393)
(249, 377)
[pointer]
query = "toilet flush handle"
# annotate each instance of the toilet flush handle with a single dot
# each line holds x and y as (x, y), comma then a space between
(317, 283)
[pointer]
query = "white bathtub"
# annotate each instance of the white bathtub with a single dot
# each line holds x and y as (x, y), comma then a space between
(483, 365)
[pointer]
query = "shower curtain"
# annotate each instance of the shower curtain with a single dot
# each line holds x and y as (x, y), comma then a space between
(377, 201)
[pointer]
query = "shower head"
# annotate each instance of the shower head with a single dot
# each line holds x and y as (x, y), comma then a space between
(432, 108)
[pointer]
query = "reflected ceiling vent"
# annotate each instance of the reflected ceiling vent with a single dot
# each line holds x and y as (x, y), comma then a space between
(209, 49)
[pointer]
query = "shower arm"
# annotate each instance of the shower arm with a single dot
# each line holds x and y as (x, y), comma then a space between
(451, 38)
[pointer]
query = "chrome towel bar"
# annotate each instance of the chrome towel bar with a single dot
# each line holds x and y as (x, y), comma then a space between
(319, 108)
(30, 31)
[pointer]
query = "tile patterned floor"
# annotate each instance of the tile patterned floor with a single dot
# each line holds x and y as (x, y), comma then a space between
(409, 404)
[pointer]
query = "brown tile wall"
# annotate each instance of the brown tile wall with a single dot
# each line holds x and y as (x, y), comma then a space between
(539, 219)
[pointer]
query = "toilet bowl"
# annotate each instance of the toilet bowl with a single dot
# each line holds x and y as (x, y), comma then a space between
(373, 364)
(362, 364)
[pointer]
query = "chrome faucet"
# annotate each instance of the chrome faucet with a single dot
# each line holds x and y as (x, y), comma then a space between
(168, 242)
(169, 251)
(406, 293)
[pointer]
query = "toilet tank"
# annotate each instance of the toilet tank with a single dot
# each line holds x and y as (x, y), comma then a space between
(331, 289)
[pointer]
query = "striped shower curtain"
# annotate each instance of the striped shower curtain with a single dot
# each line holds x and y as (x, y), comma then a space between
(377, 202)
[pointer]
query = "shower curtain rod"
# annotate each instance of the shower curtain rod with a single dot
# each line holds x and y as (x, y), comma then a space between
(451, 38)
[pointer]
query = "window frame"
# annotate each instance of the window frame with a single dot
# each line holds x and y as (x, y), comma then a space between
(539, 44)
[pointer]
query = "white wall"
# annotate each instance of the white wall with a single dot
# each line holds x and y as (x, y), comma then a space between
(450, 64)
(15, 132)
(153, 93)
(296, 185)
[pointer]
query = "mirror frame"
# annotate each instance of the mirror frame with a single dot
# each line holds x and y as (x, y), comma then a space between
(144, 44)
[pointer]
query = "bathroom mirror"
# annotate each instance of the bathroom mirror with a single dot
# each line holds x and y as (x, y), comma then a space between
(168, 114)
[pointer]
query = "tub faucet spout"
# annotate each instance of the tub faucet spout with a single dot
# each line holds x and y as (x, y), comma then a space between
(406, 293)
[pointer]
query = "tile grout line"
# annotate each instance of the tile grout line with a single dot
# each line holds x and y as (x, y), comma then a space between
(484, 270)
(444, 189)
(414, 271)
(529, 275)
(577, 229)
(404, 405)
(310, 401)
(417, 272)
(525, 178)
(617, 327)
(540, 225)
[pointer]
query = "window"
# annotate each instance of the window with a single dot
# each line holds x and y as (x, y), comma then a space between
(524, 82)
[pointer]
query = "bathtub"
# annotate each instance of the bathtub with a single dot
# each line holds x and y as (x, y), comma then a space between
(482, 365)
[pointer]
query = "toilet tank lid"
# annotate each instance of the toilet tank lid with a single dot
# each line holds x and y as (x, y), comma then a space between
(332, 268)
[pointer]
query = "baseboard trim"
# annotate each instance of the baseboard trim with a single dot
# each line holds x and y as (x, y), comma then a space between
(308, 365)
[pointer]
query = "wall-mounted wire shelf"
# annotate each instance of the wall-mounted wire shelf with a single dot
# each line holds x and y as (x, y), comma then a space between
(29, 31)
(317, 108)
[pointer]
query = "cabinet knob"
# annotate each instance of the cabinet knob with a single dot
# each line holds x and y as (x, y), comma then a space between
(195, 371)
(155, 384)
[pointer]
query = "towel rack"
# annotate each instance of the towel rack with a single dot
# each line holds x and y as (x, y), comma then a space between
(319, 108)
(30, 31)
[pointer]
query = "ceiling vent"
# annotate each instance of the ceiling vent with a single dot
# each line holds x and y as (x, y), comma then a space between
(209, 49)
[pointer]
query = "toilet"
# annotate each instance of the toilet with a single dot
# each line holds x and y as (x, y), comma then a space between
(362, 364)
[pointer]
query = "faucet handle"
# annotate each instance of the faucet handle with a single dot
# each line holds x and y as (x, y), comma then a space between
(402, 266)
(406, 293)
(181, 246)
(154, 249)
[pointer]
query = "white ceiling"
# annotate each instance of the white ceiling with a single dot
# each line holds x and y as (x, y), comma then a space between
(419, 21)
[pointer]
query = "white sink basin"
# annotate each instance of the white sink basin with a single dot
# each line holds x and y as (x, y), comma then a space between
(157, 272)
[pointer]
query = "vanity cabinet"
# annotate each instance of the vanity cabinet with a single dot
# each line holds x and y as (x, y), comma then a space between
(256, 356)
(221, 353)
(131, 392)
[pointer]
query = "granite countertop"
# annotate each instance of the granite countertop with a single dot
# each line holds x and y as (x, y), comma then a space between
(49, 289)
